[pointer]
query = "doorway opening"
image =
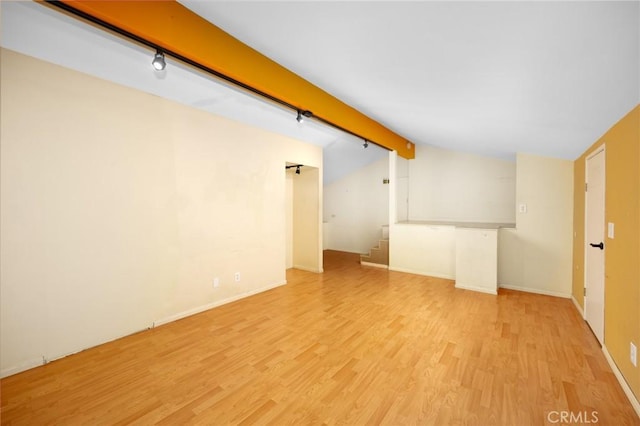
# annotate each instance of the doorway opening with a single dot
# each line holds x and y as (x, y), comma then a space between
(303, 218)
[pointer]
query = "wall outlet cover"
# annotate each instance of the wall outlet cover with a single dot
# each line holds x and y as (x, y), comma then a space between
(633, 354)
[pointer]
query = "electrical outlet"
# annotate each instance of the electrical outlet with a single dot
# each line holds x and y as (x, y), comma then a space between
(216, 282)
(236, 276)
(633, 354)
(522, 208)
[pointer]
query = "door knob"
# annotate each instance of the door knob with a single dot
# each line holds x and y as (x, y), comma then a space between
(600, 246)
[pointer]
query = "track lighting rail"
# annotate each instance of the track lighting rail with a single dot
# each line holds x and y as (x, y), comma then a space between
(297, 167)
(123, 21)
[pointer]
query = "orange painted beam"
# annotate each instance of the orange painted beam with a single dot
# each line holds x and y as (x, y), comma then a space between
(177, 29)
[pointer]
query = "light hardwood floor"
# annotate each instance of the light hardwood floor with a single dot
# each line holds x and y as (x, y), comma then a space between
(355, 345)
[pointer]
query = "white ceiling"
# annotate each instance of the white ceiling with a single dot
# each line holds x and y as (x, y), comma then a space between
(493, 78)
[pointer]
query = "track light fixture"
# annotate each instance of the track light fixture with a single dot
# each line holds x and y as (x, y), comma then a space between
(297, 166)
(302, 114)
(365, 145)
(158, 61)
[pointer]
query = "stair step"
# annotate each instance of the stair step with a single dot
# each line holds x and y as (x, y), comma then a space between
(378, 255)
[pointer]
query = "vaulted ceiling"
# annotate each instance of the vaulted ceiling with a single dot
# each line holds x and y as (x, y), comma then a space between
(493, 78)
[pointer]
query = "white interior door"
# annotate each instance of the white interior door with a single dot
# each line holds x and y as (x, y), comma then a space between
(594, 243)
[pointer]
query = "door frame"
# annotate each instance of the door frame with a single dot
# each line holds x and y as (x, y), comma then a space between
(598, 150)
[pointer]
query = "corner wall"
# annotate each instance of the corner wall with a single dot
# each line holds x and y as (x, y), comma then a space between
(622, 253)
(119, 208)
(536, 256)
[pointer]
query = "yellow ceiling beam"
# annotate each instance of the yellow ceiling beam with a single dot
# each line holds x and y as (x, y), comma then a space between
(176, 29)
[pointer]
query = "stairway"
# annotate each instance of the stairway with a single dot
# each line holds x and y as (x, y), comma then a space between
(378, 256)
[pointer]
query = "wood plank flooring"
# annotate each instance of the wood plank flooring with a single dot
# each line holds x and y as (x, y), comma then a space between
(353, 346)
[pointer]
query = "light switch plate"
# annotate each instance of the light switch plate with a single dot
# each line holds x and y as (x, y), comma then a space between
(610, 230)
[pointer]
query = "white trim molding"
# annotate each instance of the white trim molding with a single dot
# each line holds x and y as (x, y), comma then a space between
(308, 269)
(33, 363)
(215, 304)
(474, 288)
(536, 291)
(27, 365)
(416, 272)
(625, 386)
(578, 307)
(374, 265)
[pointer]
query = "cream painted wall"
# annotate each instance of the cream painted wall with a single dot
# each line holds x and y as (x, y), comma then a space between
(537, 255)
(456, 186)
(534, 257)
(477, 259)
(356, 207)
(423, 249)
(307, 220)
(119, 208)
(417, 248)
(289, 218)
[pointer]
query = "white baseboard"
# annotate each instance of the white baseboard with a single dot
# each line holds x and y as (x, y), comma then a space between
(416, 272)
(375, 265)
(27, 365)
(308, 269)
(536, 290)
(214, 304)
(475, 288)
(578, 307)
(46, 359)
(625, 386)
(37, 362)
(345, 251)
